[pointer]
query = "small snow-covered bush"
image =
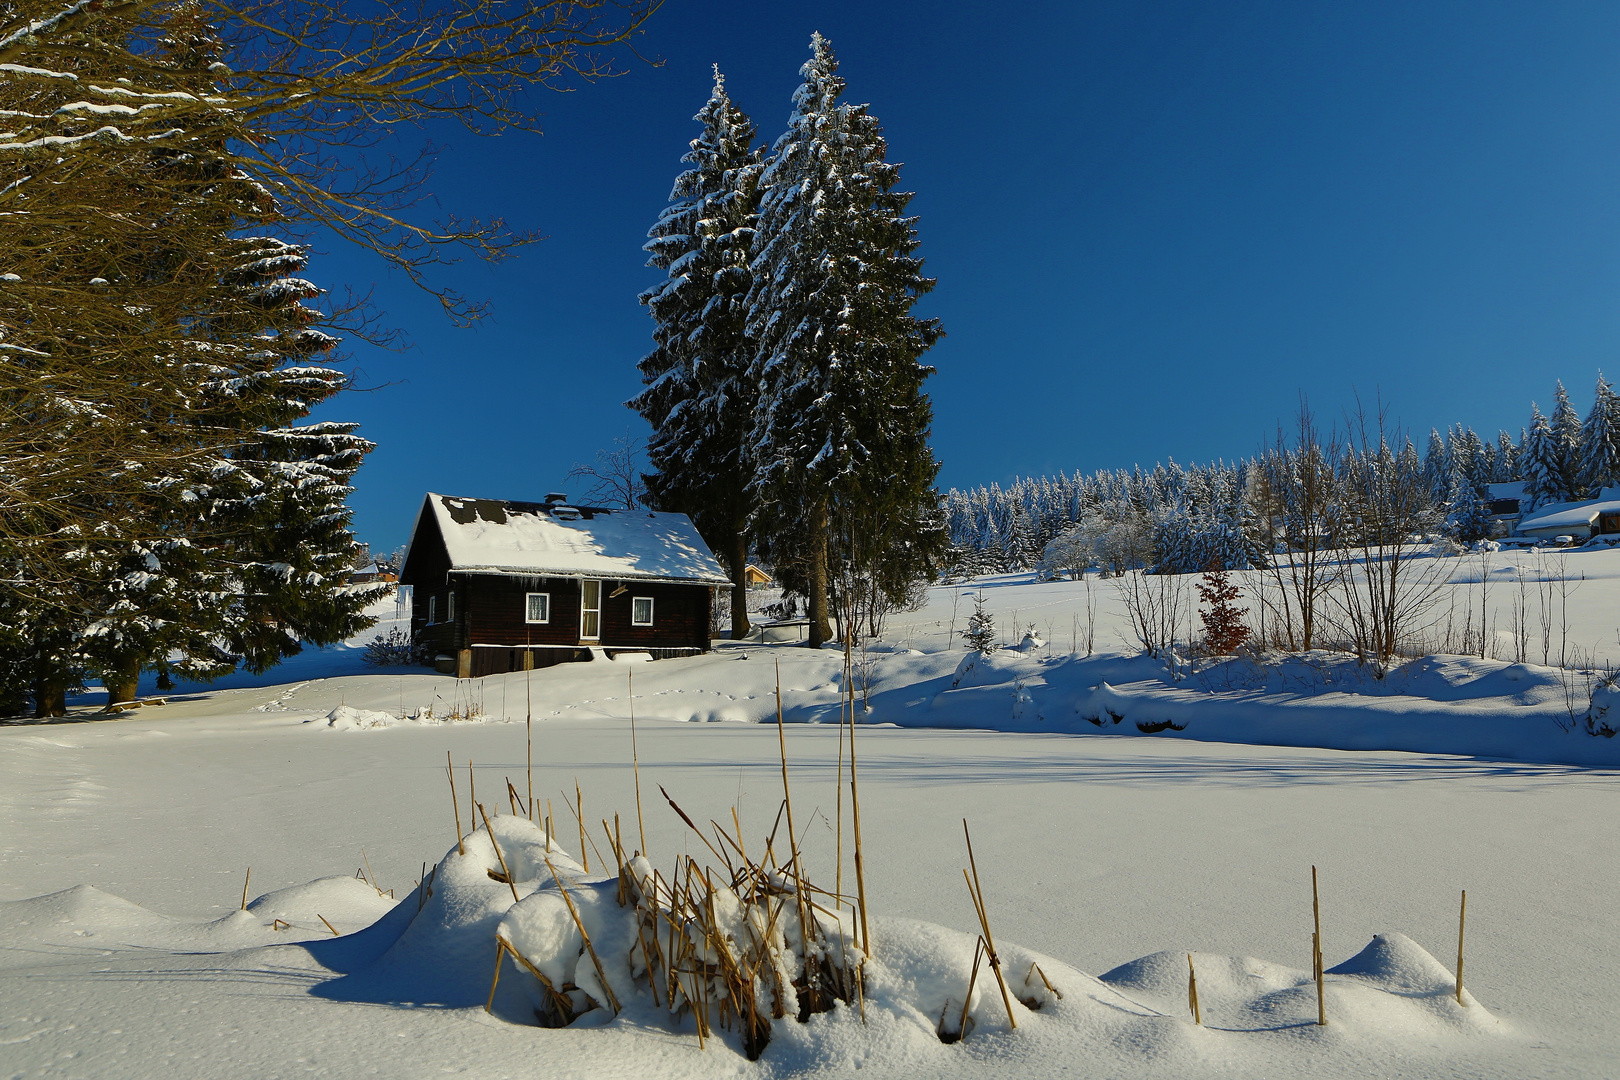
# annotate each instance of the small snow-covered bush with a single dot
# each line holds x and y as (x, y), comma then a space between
(393, 649)
(1603, 714)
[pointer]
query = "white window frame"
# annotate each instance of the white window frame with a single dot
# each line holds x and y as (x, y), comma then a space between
(528, 608)
(450, 604)
(433, 610)
(634, 600)
(584, 611)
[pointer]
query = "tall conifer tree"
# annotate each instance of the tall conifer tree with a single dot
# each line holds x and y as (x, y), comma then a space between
(1566, 431)
(840, 438)
(699, 394)
(1600, 441)
(1539, 463)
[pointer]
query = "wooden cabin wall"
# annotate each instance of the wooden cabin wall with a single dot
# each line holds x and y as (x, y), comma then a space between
(495, 606)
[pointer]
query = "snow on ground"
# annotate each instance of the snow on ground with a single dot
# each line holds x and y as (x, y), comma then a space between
(123, 843)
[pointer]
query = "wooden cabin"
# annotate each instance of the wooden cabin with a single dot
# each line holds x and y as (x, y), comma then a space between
(504, 586)
(755, 577)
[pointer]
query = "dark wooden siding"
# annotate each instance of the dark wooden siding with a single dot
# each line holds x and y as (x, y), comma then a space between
(426, 572)
(680, 615)
(495, 607)
(496, 610)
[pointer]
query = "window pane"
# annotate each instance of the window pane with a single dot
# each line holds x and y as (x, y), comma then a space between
(539, 607)
(588, 626)
(641, 611)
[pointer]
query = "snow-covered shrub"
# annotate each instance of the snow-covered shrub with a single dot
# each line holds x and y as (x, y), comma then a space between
(393, 649)
(1070, 553)
(1603, 714)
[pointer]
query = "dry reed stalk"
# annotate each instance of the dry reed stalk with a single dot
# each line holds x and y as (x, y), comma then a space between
(321, 917)
(967, 998)
(1316, 951)
(1462, 922)
(855, 813)
(635, 763)
(984, 921)
(793, 846)
(579, 816)
(1192, 992)
(586, 937)
(1035, 969)
(511, 796)
(371, 874)
(548, 826)
(510, 884)
(247, 879)
(849, 702)
(521, 809)
(455, 804)
(562, 1008)
(528, 752)
(472, 795)
(280, 924)
(500, 952)
(689, 822)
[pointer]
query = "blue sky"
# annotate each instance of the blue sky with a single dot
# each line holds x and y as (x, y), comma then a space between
(1153, 226)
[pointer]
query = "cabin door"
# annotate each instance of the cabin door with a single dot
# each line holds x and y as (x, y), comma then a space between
(590, 610)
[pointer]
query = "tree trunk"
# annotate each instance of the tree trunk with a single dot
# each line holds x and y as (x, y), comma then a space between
(820, 630)
(739, 585)
(122, 681)
(50, 681)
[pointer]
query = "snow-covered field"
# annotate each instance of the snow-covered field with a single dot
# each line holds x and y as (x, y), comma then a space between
(123, 844)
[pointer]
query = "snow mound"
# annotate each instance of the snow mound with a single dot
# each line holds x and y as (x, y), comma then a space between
(345, 902)
(87, 917)
(515, 924)
(1392, 990)
(345, 718)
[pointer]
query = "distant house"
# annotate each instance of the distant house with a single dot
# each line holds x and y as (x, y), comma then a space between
(1581, 520)
(753, 575)
(1505, 500)
(503, 586)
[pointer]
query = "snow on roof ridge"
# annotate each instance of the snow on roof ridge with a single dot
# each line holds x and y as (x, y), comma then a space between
(522, 537)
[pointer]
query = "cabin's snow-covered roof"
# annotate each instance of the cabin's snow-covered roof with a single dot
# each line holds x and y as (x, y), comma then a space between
(498, 536)
(1513, 490)
(1572, 514)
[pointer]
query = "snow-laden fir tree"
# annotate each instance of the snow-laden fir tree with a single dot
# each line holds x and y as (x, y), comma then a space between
(839, 444)
(1468, 517)
(1540, 463)
(235, 545)
(1436, 468)
(1507, 459)
(699, 395)
(1566, 430)
(1600, 442)
(980, 634)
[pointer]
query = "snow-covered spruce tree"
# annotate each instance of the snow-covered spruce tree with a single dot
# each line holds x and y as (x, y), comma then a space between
(980, 634)
(699, 395)
(1566, 431)
(1600, 442)
(202, 561)
(1540, 463)
(840, 437)
(1507, 459)
(1436, 467)
(1467, 516)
